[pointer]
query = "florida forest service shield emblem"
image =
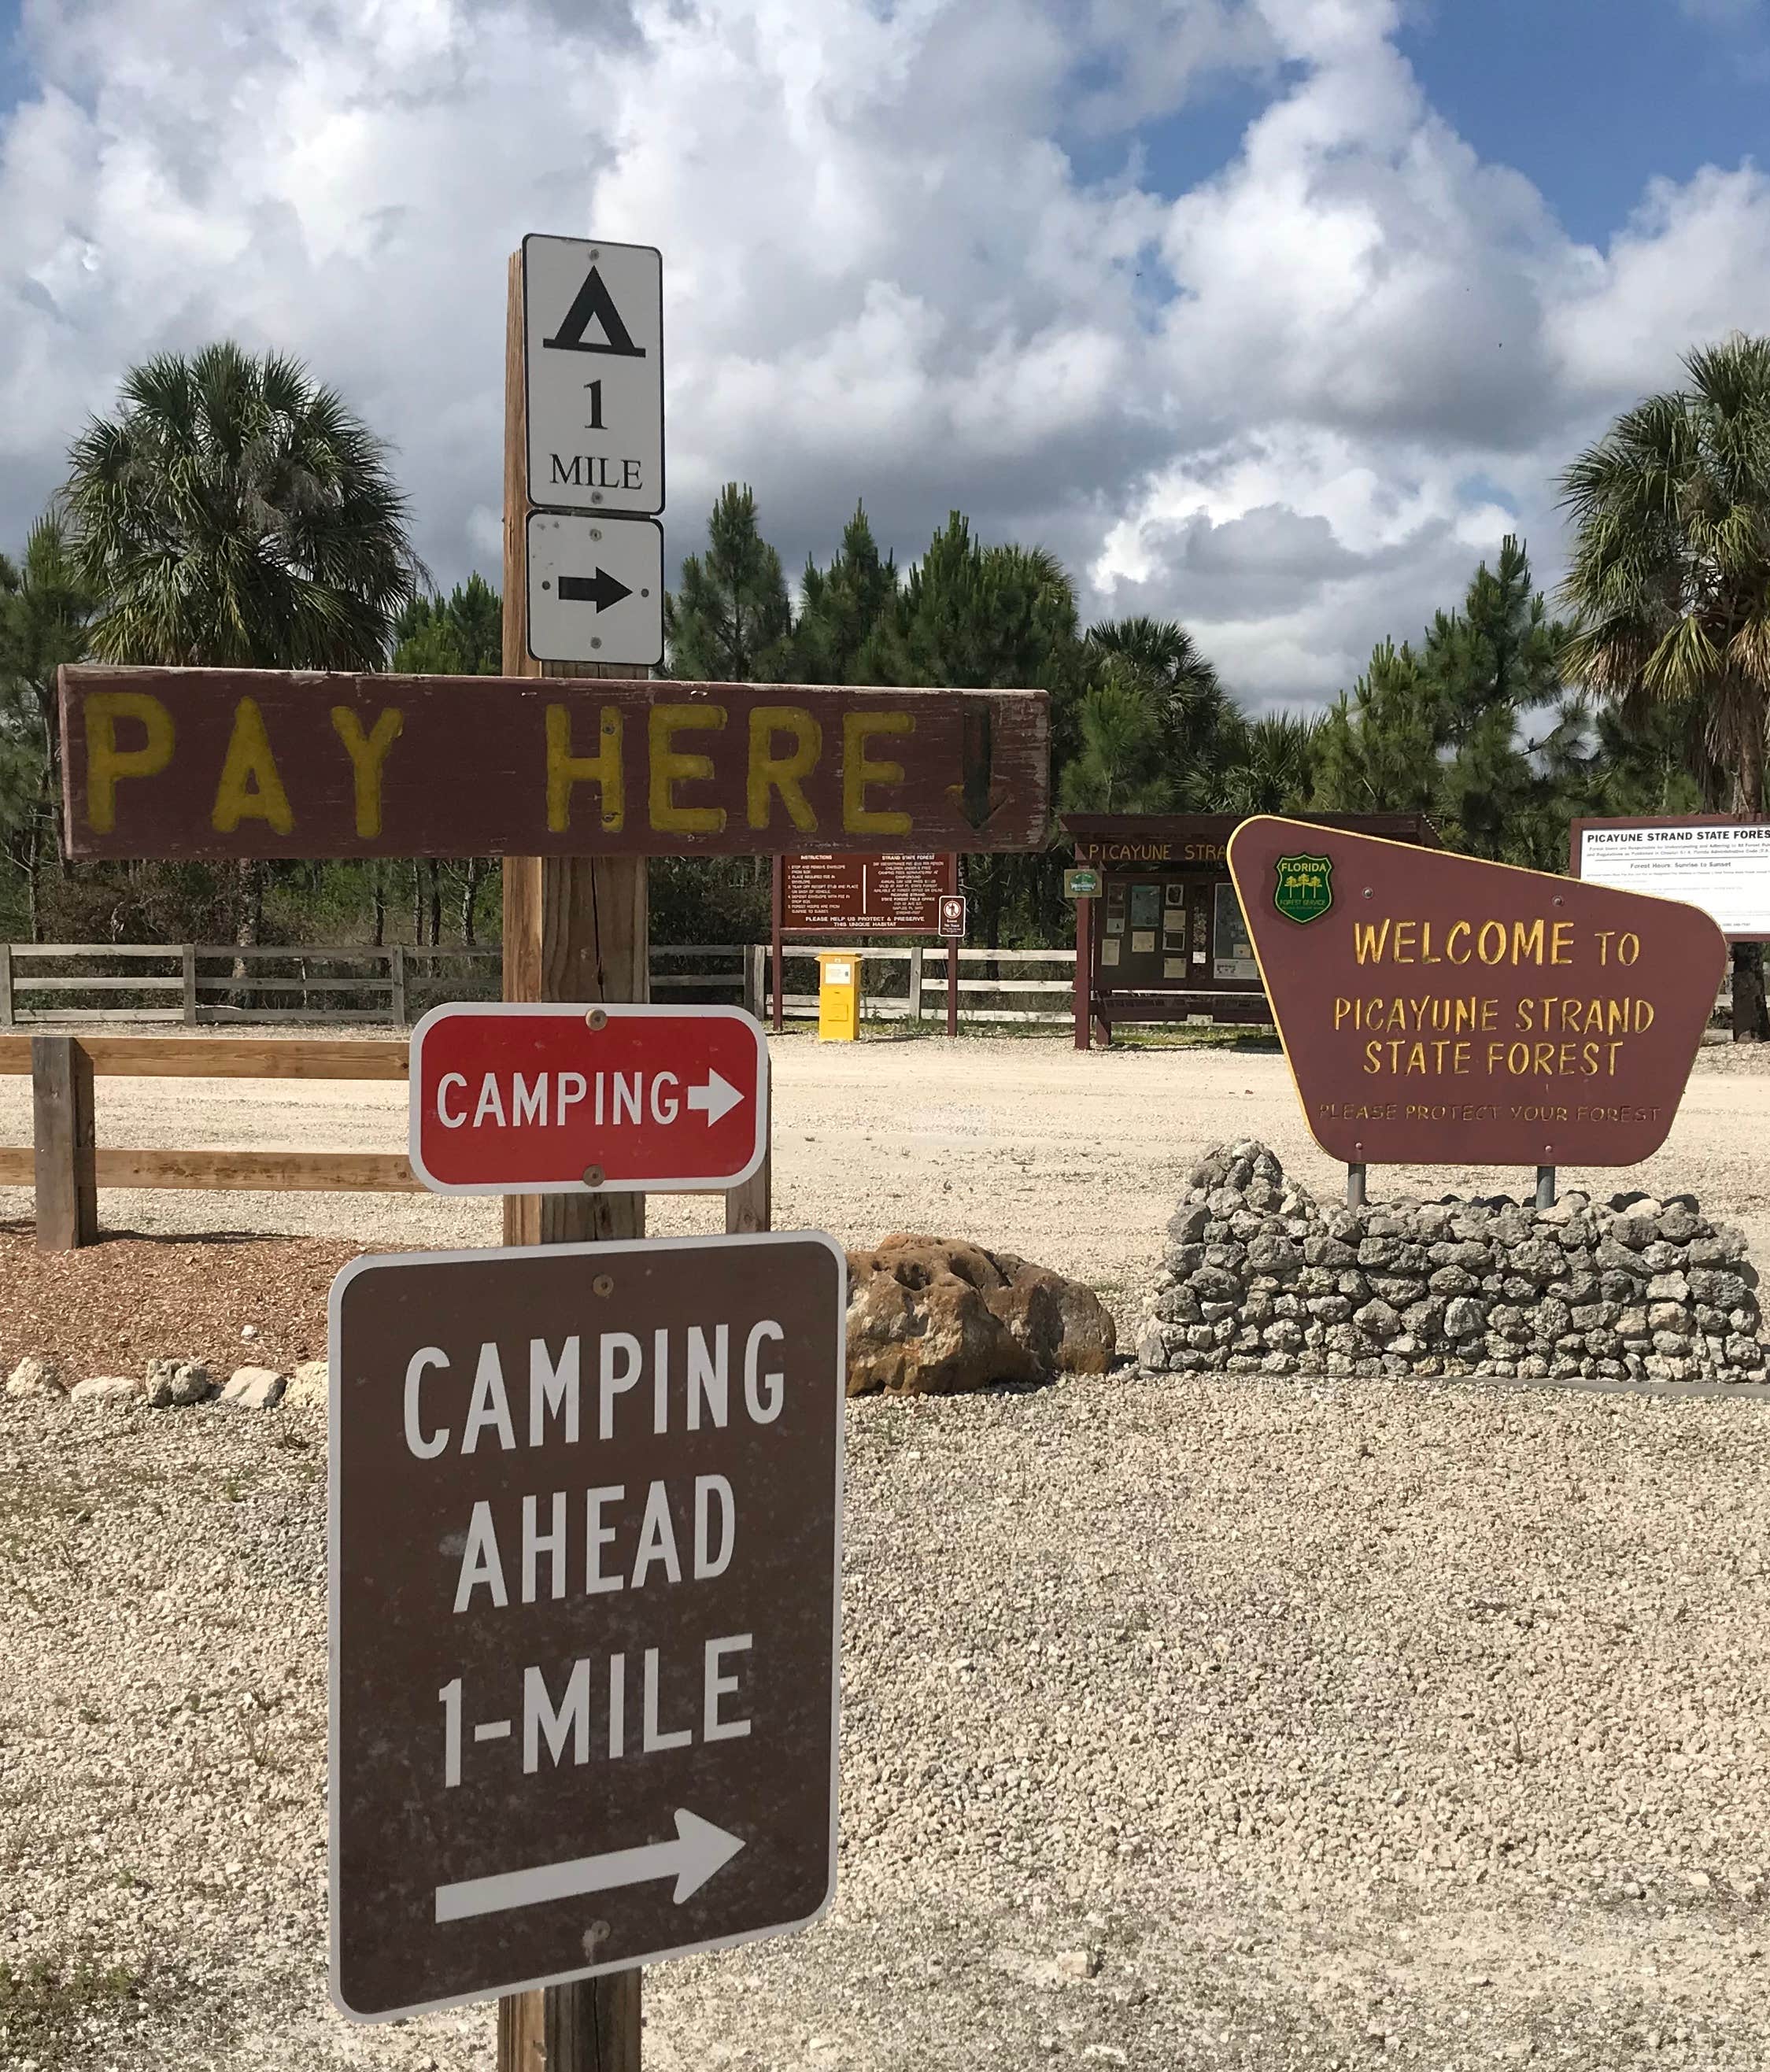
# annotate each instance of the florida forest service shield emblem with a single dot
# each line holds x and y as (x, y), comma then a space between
(1305, 890)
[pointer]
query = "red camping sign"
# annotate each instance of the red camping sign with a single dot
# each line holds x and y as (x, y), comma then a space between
(549, 1099)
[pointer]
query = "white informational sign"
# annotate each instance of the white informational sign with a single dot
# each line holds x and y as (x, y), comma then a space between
(595, 589)
(593, 359)
(1722, 866)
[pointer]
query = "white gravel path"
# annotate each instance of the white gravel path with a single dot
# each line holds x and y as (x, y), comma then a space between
(1252, 1724)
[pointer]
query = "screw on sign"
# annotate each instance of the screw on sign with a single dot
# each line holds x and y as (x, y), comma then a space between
(586, 1505)
(547, 1098)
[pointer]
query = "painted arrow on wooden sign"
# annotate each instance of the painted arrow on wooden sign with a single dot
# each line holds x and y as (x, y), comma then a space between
(699, 1850)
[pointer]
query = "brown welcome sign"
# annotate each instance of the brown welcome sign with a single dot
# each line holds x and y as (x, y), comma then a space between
(1438, 1009)
(243, 763)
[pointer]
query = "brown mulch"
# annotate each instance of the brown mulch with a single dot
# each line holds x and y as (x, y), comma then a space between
(113, 1306)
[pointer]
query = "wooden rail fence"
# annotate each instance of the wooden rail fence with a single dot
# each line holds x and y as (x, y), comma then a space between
(196, 984)
(66, 1166)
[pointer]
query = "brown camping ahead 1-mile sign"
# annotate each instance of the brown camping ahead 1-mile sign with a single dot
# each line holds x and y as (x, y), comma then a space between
(586, 1505)
(1436, 1009)
(241, 762)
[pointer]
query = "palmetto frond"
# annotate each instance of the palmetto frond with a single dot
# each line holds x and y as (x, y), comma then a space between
(1670, 576)
(234, 512)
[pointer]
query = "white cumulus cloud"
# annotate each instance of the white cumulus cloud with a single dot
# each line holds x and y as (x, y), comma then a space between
(1293, 404)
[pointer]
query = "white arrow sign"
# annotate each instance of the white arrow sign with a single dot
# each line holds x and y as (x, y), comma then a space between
(698, 1851)
(718, 1097)
(595, 589)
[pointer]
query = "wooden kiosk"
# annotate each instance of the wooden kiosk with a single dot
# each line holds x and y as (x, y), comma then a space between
(1165, 938)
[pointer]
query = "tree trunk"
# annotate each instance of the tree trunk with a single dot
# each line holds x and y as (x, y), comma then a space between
(473, 877)
(417, 902)
(435, 871)
(1751, 1015)
(1748, 776)
(377, 901)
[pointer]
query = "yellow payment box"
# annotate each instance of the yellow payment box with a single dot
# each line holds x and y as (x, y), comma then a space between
(838, 996)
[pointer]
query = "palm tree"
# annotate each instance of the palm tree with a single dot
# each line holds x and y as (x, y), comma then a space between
(1200, 722)
(1670, 577)
(44, 612)
(234, 514)
(1274, 766)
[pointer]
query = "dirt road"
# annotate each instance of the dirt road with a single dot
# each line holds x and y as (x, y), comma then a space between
(1073, 1160)
(1259, 1726)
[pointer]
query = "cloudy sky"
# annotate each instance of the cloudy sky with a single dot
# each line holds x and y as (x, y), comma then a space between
(1272, 315)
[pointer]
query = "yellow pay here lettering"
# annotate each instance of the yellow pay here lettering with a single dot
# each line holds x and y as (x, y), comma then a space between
(250, 785)
(131, 737)
(689, 745)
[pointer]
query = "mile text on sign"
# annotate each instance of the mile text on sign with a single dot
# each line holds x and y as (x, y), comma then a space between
(244, 763)
(1436, 1009)
(545, 1098)
(585, 1546)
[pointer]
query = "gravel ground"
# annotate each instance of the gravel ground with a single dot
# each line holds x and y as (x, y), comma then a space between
(1188, 1723)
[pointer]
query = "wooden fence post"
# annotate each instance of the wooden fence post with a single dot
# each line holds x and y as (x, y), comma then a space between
(575, 928)
(188, 971)
(5, 986)
(915, 981)
(396, 960)
(61, 1088)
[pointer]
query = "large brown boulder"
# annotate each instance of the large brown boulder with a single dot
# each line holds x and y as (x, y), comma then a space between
(936, 1315)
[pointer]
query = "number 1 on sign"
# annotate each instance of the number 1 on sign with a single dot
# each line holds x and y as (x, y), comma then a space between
(449, 1697)
(595, 421)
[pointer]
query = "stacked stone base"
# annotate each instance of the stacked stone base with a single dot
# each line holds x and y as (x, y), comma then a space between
(1259, 1278)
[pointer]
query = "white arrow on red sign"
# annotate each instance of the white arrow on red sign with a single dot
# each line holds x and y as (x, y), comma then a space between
(550, 1098)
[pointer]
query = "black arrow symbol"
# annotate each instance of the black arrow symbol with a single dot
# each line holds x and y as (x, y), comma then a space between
(602, 590)
(978, 796)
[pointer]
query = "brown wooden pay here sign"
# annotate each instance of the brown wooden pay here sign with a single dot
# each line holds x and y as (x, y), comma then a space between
(584, 1602)
(243, 763)
(1437, 1009)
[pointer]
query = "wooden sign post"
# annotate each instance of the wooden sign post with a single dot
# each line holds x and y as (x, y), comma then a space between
(575, 928)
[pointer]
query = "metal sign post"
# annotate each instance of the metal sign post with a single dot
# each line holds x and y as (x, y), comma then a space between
(952, 925)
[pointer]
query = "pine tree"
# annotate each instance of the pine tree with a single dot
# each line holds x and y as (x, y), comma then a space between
(1377, 751)
(730, 621)
(1447, 729)
(1119, 768)
(844, 609)
(460, 636)
(973, 617)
